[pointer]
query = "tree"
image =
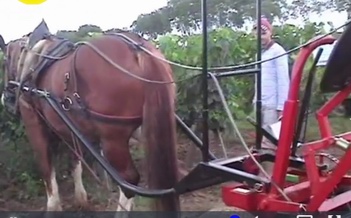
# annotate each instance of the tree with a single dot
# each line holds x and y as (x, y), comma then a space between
(304, 8)
(69, 34)
(153, 24)
(84, 30)
(185, 15)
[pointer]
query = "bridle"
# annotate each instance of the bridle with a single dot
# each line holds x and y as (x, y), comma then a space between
(8, 70)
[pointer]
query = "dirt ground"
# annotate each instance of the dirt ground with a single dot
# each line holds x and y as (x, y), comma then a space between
(11, 197)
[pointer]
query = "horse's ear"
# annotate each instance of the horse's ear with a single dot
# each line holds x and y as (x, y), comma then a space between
(2, 44)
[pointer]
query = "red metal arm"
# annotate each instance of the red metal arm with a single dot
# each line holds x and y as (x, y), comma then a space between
(327, 140)
(290, 113)
(323, 113)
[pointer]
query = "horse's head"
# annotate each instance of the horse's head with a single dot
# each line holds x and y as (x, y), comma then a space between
(11, 55)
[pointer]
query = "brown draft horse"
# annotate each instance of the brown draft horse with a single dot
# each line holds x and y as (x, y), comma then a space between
(107, 105)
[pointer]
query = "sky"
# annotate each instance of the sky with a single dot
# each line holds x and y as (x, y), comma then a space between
(18, 19)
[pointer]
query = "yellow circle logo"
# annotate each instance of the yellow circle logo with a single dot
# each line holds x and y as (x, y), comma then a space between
(32, 2)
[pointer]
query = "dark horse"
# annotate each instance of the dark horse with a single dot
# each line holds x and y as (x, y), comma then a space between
(106, 103)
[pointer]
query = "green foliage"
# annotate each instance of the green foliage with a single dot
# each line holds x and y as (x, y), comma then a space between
(306, 7)
(226, 47)
(84, 32)
(18, 165)
(10, 128)
(185, 15)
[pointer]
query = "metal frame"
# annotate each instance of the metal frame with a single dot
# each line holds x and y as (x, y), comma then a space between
(305, 193)
(257, 70)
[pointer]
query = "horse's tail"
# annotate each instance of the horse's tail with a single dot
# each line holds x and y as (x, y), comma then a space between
(159, 128)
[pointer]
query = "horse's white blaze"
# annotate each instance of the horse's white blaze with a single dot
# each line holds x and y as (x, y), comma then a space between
(3, 99)
(127, 204)
(79, 190)
(53, 203)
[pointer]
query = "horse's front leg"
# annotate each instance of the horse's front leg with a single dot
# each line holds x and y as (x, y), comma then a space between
(42, 141)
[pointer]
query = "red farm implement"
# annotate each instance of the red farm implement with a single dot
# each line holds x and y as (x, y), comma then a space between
(315, 188)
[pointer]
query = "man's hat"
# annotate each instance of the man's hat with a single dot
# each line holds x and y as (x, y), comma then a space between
(265, 24)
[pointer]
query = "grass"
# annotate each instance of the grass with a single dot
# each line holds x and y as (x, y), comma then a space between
(338, 124)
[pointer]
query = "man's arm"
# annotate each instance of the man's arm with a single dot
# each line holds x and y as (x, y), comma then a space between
(283, 80)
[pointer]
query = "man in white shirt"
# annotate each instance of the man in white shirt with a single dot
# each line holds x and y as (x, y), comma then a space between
(275, 79)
